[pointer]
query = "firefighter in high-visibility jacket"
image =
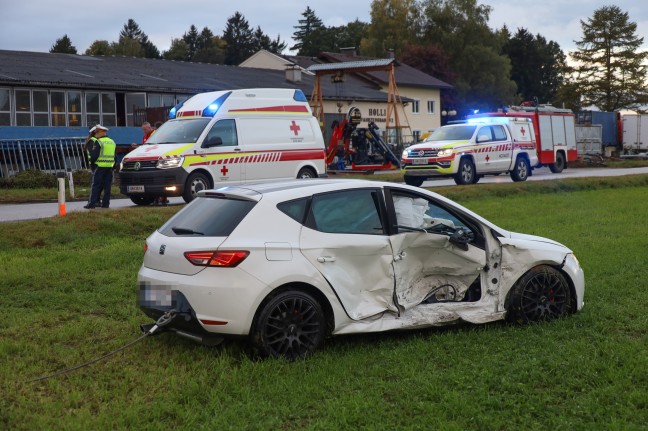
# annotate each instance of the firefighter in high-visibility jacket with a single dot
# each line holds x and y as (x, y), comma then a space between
(102, 154)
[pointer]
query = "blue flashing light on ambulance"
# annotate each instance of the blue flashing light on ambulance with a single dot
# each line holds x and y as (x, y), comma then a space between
(226, 138)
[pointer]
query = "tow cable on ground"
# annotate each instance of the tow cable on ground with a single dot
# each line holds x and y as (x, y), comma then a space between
(164, 320)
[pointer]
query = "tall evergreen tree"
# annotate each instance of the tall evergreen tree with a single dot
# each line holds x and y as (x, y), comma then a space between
(537, 66)
(130, 33)
(239, 39)
(63, 45)
(310, 23)
(611, 66)
(191, 40)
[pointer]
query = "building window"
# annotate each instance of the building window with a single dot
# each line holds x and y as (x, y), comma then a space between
(100, 108)
(57, 102)
(415, 106)
(41, 107)
(74, 108)
(5, 107)
(133, 102)
(23, 108)
(416, 134)
(430, 106)
(108, 109)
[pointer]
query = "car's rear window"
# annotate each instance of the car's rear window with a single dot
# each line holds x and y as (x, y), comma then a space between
(208, 216)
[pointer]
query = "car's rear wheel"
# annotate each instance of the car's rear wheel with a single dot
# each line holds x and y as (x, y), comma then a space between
(195, 183)
(142, 199)
(521, 170)
(541, 294)
(414, 181)
(306, 173)
(291, 325)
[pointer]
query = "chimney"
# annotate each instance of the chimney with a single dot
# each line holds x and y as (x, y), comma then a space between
(293, 74)
(390, 53)
(351, 51)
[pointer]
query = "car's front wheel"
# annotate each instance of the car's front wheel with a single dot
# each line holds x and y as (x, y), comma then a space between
(195, 183)
(291, 325)
(413, 181)
(541, 294)
(466, 173)
(142, 199)
(305, 173)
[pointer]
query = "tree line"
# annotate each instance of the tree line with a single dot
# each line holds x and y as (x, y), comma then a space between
(448, 39)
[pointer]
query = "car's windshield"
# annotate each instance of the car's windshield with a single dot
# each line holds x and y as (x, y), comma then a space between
(452, 133)
(179, 131)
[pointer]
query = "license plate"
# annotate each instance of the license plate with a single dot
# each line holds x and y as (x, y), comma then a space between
(419, 161)
(135, 189)
(160, 296)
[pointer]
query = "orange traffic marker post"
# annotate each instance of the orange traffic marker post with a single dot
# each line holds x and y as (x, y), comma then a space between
(61, 193)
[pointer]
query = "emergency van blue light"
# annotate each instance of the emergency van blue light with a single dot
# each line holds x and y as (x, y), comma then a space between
(475, 111)
(213, 107)
(174, 111)
(299, 96)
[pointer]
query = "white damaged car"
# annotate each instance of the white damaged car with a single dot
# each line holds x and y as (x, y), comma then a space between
(291, 263)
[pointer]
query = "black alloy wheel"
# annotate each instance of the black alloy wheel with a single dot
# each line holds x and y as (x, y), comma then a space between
(541, 294)
(291, 325)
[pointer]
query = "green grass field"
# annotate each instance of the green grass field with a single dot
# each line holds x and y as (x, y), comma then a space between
(67, 295)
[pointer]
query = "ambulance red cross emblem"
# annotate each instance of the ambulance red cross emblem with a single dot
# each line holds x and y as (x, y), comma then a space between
(295, 128)
(224, 171)
(523, 131)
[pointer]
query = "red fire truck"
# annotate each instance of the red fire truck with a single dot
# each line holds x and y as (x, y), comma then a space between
(555, 132)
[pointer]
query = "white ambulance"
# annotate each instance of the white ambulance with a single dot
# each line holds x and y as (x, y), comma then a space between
(226, 137)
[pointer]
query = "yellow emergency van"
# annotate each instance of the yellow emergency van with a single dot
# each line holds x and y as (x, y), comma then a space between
(226, 138)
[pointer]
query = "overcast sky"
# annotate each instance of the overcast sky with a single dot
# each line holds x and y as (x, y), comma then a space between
(34, 25)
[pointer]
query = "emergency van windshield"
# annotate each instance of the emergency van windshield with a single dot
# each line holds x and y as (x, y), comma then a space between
(452, 133)
(182, 131)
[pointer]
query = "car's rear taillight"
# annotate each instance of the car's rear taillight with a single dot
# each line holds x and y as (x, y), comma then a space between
(226, 259)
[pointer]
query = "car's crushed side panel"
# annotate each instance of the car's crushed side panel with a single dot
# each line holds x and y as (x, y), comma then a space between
(425, 263)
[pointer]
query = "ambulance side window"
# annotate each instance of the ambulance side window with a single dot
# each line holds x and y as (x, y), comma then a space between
(222, 134)
(499, 134)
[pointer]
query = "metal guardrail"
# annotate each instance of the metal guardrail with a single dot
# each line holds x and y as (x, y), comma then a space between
(45, 154)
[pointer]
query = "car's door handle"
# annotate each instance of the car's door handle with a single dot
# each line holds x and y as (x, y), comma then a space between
(400, 256)
(323, 259)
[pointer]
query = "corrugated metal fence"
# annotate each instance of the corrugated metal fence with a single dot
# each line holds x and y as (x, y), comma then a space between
(45, 154)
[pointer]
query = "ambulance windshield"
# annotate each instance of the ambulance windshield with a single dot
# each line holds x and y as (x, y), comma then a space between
(452, 133)
(185, 131)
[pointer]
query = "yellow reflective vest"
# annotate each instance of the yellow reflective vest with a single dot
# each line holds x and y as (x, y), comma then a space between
(107, 152)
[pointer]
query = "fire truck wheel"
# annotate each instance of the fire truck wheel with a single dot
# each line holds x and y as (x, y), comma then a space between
(142, 199)
(195, 183)
(521, 170)
(306, 173)
(558, 167)
(466, 173)
(414, 181)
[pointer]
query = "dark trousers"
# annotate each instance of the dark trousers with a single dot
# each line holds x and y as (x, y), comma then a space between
(101, 180)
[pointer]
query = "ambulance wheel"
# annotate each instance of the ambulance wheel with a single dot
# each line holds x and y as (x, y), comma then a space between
(414, 181)
(306, 173)
(195, 183)
(142, 199)
(521, 170)
(560, 164)
(466, 173)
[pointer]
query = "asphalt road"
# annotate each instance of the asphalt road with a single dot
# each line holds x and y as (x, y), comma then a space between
(17, 212)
